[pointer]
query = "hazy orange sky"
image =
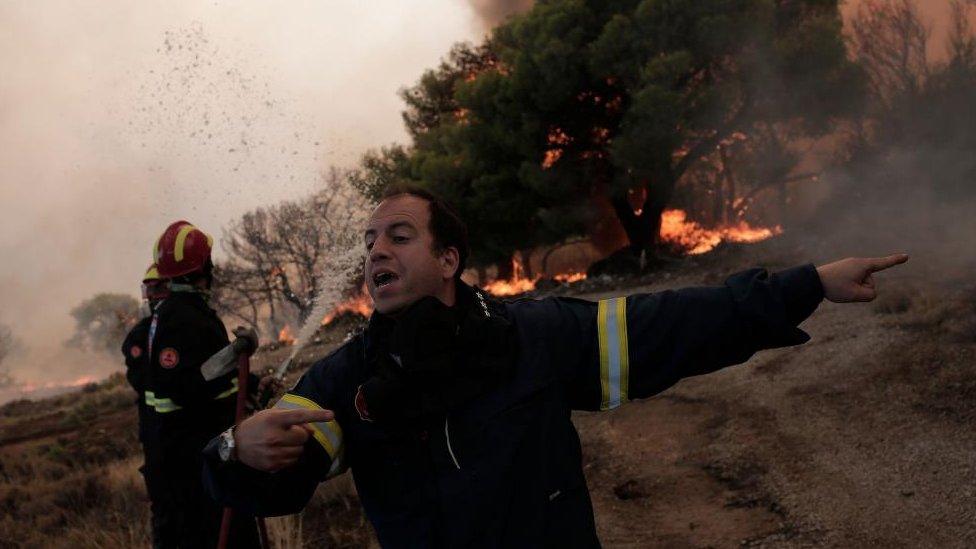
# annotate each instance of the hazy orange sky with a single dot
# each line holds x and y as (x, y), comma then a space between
(118, 117)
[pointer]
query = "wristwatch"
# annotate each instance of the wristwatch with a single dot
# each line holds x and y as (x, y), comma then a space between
(225, 447)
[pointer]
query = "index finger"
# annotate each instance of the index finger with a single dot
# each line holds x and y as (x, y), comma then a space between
(297, 417)
(882, 263)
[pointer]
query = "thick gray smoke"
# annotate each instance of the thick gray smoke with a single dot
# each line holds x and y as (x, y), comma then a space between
(121, 119)
(493, 12)
(911, 186)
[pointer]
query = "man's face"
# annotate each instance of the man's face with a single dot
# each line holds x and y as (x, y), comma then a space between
(401, 264)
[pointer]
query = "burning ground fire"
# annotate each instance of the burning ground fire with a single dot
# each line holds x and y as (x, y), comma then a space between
(33, 387)
(519, 284)
(676, 229)
(359, 304)
(696, 240)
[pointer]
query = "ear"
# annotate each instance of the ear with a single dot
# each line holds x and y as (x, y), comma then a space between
(449, 260)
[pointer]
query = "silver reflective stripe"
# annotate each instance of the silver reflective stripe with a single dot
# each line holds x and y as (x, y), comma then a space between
(614, 361)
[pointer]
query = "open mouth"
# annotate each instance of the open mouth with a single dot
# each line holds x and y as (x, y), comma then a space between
(384, 278)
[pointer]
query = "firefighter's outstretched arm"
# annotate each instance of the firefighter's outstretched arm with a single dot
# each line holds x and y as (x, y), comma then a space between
(636, 346)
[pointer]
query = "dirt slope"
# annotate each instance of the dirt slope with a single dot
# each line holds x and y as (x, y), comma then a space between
(861, 438)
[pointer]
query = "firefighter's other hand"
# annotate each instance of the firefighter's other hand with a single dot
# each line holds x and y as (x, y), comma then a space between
(271, 440)
(851, 279)
(249, 335)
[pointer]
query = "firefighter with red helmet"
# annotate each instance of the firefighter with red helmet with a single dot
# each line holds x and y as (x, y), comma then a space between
(184, 410)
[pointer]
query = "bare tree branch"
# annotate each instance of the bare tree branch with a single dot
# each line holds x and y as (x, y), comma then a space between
(276, 254)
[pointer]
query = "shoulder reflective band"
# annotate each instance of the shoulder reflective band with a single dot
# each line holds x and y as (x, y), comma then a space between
(614, 362)
(161, 405)
(228, 392)
(327, 433)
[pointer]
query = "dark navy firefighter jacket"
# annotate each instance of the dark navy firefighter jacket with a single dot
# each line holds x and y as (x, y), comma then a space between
(504, 469)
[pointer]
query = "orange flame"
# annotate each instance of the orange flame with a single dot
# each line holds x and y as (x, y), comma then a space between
(359, 304)
(569, 278)
(285, 336)
(695, 239)
(30, 387)
(510, 287)
(520, 284)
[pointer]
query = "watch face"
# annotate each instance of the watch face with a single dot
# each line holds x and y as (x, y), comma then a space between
(223, 448)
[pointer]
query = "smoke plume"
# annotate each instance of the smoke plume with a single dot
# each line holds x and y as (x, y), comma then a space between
(491, 13)
(119, 120)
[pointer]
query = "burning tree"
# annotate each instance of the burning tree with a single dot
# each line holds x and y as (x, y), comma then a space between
(580, 103)
(102, 321)
(275, 254)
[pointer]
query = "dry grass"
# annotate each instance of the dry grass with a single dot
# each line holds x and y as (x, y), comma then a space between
(332, 519)
(69, 478)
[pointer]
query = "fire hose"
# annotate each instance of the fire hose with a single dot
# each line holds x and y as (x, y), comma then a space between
(243, 371)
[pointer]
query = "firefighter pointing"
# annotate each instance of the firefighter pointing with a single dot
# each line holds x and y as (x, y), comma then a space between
(453, 409)
(184, 409)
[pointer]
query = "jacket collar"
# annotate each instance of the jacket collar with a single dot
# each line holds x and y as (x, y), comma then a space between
(473, 306)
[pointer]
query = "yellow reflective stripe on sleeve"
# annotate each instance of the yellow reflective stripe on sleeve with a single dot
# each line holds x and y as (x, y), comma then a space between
(161, 405)
(614, 361)
(228, 392)
(624, 380)
(181, 241)
(327, 433)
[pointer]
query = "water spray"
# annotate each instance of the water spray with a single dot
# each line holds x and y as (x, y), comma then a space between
(339, 272)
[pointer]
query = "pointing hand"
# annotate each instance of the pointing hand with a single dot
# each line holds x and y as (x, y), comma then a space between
(851, 279)
(271, 440)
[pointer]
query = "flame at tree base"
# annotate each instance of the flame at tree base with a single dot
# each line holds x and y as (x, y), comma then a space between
(359, 304)
(687, 236)
(519, 284)
(694, 239)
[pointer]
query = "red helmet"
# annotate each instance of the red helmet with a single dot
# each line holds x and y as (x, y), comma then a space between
(153, 287)
(181, 249)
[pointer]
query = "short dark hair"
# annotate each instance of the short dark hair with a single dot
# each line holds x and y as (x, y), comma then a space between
(446, 226)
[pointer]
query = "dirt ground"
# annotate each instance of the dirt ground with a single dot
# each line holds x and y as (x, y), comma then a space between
(863, 437)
